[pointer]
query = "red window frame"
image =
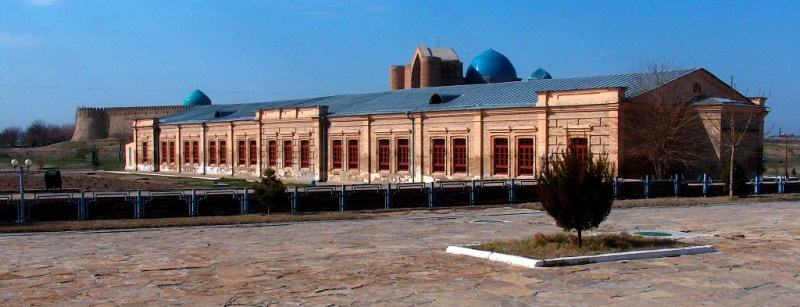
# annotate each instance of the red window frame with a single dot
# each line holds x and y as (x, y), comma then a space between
(305, 154)
(438, 155)
(195, 152)
(402, 155)
(187, 152)
(273, 153)
(336, 152)
(223, 152)
(164, 156)
(242, 153)
(384, 155)
(580, 146)
(253, 152)
(212, 152)
(525, 156)
(288, 153)
(459, 156)
(171, 152)
(145, 156)
(352, 154)
(500, 156)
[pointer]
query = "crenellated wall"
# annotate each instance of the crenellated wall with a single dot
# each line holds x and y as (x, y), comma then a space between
(101, 123)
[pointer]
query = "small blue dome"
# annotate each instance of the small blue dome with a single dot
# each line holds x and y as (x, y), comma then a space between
(197, 98)
(491, 66)
(540, 74)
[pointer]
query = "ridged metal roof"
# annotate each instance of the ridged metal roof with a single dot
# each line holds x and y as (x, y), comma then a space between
(466, 97)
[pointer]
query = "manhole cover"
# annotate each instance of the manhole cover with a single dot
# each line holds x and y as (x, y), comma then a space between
(653, 234)
(487, 221)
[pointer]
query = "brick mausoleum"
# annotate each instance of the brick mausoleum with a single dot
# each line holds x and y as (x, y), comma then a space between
(435, 124)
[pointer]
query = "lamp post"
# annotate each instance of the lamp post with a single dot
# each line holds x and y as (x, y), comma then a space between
(21, 214)
(785, 154)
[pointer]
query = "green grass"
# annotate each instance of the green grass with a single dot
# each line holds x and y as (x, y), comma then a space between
(541, 246)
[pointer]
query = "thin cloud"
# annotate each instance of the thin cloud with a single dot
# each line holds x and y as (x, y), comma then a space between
(40, 2)
(19, 40)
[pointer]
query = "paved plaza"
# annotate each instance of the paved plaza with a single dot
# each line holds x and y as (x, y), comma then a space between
(401, 261)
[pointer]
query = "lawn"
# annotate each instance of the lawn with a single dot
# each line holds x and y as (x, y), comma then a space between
(545, 246)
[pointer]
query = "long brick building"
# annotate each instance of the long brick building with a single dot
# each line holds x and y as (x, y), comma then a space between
(436, 124)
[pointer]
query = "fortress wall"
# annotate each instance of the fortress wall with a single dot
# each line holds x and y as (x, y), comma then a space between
(100, 123)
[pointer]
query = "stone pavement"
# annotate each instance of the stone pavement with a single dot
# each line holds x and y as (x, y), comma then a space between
(400, 261)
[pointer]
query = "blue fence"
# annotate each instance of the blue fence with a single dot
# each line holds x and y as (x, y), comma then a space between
(73, 205)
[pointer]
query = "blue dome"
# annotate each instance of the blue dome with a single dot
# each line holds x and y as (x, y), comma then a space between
(540, 74)
(491, 66)
(197, 98)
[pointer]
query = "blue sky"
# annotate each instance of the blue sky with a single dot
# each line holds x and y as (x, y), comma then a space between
(58, 54)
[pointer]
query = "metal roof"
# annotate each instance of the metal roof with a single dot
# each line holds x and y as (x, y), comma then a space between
(460, 97)
(716, 101)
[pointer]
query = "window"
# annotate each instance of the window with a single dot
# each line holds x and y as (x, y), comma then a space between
(273, 153)
(212, 152)
(187, 152)
(171, 152)
(223, 152)
(195, 152)
(253, 152)
(500, 156)
(384, 155)
(242, 153)
(525, 156)
(145, 157)
(579, 146)
(336, 152)
(459, 155)
(352, 154)
(439, 152)
(164, 156)
(305, 154)
(287, 153)
(402, 155)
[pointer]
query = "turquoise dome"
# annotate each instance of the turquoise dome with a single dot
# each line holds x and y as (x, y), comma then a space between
(197, 98)
(540, 74)
(491, 66)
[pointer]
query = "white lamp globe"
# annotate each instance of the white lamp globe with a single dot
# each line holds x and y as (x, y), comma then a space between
(14, 163)
(28, 162)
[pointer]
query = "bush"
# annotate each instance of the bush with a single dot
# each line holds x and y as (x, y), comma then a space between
(577, 193)
(739, 179)
(270, 190)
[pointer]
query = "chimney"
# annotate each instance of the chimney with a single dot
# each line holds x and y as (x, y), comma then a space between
(758, 100)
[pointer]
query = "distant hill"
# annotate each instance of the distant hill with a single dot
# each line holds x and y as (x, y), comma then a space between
(774, 148)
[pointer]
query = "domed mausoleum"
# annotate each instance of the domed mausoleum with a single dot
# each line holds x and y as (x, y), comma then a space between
(491, 66)
(197, 98)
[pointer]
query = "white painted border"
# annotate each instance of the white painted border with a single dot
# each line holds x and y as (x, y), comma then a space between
(533, 263)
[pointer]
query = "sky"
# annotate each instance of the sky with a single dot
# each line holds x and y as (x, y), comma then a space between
(56, 55)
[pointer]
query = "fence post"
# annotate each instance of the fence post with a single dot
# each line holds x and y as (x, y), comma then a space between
(193, 204)
(431, 195)
(677, 185)
(615, 187)
(781, 186)
(472, 192)
(511, 192)
(137, 206)
(245, 202)
(387, 199)
(705, 184)
(647, 186)
(82, 207)
(295, 200)
(342, 198)
(757, 185)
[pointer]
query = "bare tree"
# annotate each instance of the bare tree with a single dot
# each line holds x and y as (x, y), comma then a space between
(660, 126)
(10, 136)
(40, 133)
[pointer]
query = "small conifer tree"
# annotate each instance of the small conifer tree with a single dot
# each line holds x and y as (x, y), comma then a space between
(576, 190)
(270, 190)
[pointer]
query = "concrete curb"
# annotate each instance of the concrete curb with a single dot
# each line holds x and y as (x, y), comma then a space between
(578, 260)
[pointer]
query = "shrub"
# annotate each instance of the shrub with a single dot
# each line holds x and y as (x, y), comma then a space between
(270, 190)
(739, 179)
(577, 193)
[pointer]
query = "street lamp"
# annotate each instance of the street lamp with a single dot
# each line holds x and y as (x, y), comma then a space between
(785, 154)
(21, 214)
